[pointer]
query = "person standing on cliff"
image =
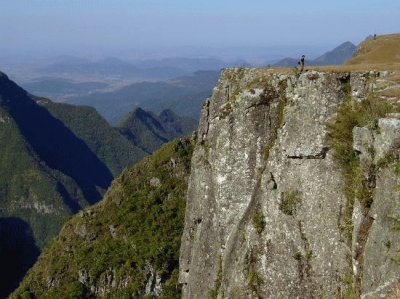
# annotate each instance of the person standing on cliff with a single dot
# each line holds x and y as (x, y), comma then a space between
(302, 63)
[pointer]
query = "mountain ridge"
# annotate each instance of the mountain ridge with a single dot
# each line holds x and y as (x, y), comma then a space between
(336, 56)
(149, 131)
(378, 50)
(133, 234)
(293, 192)
(48, 171)
(184, 95)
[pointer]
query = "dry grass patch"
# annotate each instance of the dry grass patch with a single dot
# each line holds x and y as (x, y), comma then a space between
(391, 93)
(365, 67)
(384, 49)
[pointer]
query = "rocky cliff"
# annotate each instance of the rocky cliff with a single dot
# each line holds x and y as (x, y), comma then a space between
(294, 189)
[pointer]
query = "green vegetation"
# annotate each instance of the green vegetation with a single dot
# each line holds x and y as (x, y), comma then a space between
(149, 131)
(304, 259)
(309, 255)
(107, 143)
(392, 158)
(24, 184)
(258, 221)
(234, 76)
(278, 121)
(54, 160)
(253, 279)
(213, 293)
(348, 280)
(53, 164)
(136, 227)
(24, 181)
(295, 71)
(352, 114)
(289, 201)
(395, 221)
(297, 256)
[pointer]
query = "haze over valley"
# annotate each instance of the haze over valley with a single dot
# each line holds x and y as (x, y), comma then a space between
(206, 149)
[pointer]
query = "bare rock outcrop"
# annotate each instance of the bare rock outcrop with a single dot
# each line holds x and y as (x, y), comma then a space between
(267, 210)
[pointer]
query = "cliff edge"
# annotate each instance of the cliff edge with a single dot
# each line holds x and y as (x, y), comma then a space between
(294, 188)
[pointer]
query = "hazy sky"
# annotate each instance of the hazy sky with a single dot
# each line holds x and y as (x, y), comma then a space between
(107, 27)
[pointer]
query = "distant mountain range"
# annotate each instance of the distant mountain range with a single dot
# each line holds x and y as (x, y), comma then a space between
(58, 88)
(128, 244)
(167, 83)
(112, 67)
(336, 56)
(184, 95)
(56, 158)
(166, 68)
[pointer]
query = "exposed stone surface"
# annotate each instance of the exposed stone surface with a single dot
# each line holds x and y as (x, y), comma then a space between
(266, 202)
(380, 257)
(155, 182)
(153, 284)
(381, 253)
(388, 138)
(363, 141)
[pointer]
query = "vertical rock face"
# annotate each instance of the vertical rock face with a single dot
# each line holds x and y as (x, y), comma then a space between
(266, 203)
(379, 263)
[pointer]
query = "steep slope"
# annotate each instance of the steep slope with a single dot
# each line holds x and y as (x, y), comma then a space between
(107, 143)
(30, 183)
(125, 246)
(149, 131)
(384, 49)
(294, 191)
(63, 146)
(18, 252)
(50, 167)
(334, 57)
(29, 192)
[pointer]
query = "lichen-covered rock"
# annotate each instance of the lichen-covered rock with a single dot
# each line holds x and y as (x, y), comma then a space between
(379, 259)
(363, 142)
(266, 207)
(389, 137)
(381, 269)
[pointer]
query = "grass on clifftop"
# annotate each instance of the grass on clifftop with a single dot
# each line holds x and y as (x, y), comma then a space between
(135, 229)
(384, 49)
(381, 54)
